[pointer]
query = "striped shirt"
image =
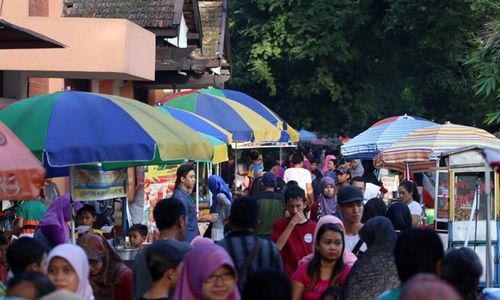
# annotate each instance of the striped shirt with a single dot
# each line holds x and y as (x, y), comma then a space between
(240, 244)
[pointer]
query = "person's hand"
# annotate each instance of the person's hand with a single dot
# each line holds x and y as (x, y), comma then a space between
(298, 218)
(213, 217)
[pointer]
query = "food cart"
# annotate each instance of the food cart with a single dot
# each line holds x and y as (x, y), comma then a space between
(473, 208)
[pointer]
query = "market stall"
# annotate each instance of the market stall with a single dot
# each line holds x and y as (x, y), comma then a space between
(473, 207)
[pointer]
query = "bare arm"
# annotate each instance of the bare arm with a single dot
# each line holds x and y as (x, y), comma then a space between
(415, 219)
(309, 193)
(297, 290)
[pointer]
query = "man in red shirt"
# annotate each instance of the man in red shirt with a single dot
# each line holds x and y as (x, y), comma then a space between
(293, 235)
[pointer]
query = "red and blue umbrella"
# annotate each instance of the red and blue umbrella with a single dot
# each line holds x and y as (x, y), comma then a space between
(76, 128)
(396, 118)
(370, 142)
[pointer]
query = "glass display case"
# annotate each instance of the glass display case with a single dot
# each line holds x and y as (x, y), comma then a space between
(469, 224)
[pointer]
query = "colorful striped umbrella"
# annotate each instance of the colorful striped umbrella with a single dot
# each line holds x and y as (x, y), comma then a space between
(396, 118)
(245, 124)
(428, 143)
(198, 123)
(251, 103)
(218, 136)
(74, 128)
(21, 174)
(370, 142)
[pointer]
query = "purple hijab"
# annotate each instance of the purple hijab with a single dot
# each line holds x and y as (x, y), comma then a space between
(327, 205)
(200, 263)
(54, 222)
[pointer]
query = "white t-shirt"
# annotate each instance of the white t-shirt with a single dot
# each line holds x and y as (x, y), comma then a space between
(415, 208)
(351, 241)
(301, 175)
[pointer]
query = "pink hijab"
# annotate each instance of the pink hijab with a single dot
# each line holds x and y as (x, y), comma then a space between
(77, 258)
(200, 263)
(349, 257)
(325, 163)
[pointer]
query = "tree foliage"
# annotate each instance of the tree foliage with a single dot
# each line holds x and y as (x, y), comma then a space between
(339, 66)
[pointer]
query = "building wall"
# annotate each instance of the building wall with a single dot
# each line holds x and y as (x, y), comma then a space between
(38, 86)
(38, 8)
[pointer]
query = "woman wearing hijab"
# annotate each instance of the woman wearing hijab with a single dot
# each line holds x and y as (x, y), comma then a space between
(327, 201)
(400, 216)
(109, 277)
(357, 169)
(375, 271)
(54, 229)
(221, 204)
(68, 269)
(349, 257)
(328, 169)
(208, 274)
(373, 208)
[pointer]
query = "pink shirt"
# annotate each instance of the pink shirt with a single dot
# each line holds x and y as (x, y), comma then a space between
(315, 292)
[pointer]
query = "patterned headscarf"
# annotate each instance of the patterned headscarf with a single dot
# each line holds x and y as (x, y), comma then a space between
(113, 269)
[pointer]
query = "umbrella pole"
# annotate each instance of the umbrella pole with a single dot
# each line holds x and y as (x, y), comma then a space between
(197, 187)
(487, 174)
(72, 231)
(235, 164)
(124, 218)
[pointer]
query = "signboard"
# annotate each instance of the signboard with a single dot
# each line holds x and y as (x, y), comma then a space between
(159, 183)
(93, 184)
(391, 183)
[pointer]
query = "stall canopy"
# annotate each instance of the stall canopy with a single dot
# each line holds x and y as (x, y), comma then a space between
(21, 174)
(16, 37)
(77, 128)
(370, 142)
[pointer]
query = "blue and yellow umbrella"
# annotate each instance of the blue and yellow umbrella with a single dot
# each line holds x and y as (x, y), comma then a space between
(246, 122)
(76, 128)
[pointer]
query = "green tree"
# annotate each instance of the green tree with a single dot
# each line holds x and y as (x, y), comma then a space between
(339, 66)
(485, 61)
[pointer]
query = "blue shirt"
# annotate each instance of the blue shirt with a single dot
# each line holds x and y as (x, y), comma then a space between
(191, 215)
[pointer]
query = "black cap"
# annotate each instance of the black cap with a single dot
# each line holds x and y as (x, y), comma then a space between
(349, 194)
(343, 169)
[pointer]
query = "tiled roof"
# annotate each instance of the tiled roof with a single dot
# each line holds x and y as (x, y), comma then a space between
(211, 19)
(145, 13)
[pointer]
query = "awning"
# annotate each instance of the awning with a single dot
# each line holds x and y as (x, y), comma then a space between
(15, 37)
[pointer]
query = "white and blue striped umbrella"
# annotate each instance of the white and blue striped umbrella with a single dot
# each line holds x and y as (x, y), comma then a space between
(370, 142)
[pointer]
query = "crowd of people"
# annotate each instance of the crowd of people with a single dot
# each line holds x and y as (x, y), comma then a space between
(303, 231)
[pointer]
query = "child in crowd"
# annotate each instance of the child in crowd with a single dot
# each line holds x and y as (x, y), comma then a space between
(138, 234)
(87, 216)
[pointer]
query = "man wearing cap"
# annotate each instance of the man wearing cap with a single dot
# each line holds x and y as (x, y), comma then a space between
(350, 205)
(343, 176)
(170, 219)
(271, 205)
